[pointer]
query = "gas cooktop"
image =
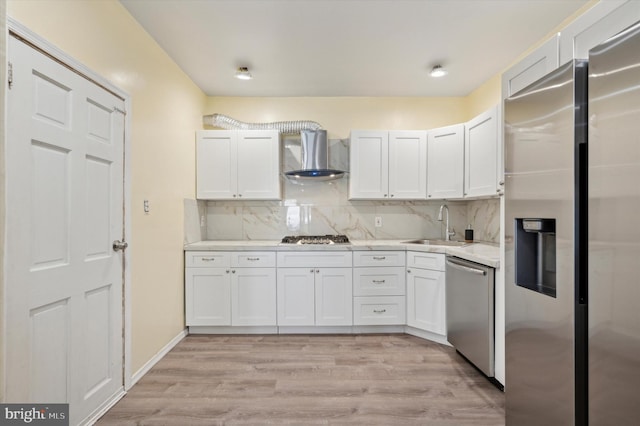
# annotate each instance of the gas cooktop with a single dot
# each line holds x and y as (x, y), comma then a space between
(315, 239)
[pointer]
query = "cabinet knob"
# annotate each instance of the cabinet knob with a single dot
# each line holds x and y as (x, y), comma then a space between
(385, 195)
(234, 195)
(233, 271)
(392, 195)
(312, 271)
(239, 195)
(501, 183)
(429, 196)
(317, 271)
(227, 271)
(408, 271)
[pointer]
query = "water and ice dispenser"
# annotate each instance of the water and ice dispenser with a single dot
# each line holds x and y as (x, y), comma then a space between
(535, 255)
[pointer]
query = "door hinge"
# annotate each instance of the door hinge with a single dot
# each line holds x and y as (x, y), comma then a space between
(10, 74)
(121, 111)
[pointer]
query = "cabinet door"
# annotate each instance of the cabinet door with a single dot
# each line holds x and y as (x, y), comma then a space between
(539, 63)
(259, 165)
(369, 165)
(334, 296)
(208, 296)
(296, 296)
(481, 155)
(407, 165)
(253, 296)
(445, 162)
(216, 164)
(426, 308)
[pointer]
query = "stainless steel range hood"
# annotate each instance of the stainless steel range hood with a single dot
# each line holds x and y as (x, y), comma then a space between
(315, 158)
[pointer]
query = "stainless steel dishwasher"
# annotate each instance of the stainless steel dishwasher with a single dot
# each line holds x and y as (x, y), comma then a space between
(470, 313)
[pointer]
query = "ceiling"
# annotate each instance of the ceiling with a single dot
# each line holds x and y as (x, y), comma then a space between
(346, 47)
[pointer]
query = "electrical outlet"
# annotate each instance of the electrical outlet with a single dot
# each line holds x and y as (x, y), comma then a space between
(378, 222)
(145, 206)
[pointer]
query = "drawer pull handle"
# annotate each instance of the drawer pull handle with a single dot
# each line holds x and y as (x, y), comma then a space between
(379, 257)
(379, 311)
(253, 259)
(208, 259)
(378, 281)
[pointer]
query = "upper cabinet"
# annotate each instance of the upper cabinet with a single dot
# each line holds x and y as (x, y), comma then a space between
(604, 20)
(481, 155)
(388, 165)
(445, 162)
(238, 165)
(539, 63)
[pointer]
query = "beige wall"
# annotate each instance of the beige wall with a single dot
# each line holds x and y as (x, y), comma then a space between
(166, 108)
(341, 114)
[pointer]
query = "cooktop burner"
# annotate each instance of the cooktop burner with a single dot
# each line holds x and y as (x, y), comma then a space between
(315, 239)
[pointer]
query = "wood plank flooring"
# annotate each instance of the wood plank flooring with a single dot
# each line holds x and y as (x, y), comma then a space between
(310, 380)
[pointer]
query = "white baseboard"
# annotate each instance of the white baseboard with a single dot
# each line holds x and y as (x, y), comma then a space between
(106, 406)
(157, 357)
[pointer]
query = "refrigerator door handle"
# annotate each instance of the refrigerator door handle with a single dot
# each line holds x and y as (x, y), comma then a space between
(466, 268)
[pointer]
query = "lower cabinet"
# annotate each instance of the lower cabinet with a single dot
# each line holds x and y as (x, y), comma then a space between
(379, 288)
(426, 301)
(240, 290)
(314, 295)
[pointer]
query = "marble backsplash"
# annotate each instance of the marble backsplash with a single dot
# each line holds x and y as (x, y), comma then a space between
(317, 208)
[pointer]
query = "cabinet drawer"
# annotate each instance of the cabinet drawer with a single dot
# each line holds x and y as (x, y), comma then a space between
(425, 260)
(379, 258)
(207, 259)
(248, 259)
(379, 281)
(314, 259)
(381, 310)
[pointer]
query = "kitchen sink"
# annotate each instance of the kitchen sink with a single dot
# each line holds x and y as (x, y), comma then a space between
(437, 243)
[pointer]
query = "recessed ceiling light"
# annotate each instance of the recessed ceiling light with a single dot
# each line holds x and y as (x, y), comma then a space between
(243, 74)
(438, 71)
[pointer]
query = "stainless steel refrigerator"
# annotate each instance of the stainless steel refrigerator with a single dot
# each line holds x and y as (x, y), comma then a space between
(572, 188)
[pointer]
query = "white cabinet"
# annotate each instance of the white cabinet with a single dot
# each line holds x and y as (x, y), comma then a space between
(536, 65)
(208, 296)
(379, 288)
(599, 23)
(445, 159)
(426, 303)
(230, 288)
(481, 162)
(388, 164)
(315, 288)
(238, 164)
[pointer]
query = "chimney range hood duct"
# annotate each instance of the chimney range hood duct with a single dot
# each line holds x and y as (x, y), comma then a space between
(313, 141)
(315, 158)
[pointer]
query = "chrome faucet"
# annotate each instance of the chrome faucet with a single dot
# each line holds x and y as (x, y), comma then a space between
(447, 234)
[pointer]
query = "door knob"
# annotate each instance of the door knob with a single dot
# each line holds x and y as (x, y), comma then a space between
(120, 245)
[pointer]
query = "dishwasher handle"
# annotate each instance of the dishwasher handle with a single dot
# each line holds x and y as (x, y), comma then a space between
(466, 268)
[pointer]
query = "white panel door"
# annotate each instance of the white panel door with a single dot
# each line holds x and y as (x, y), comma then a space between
(426, 308)
(64, 165)
(259, 165)
(408, 165)
(296, 296)
(369, 165)
(208, 296)
(253, 296)
(216, 164)
(334, 296)
(445, 162)
(481, 155)
(537, 64)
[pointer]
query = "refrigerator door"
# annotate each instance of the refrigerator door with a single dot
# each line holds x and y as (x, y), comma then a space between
(539, 224)
(614, 234)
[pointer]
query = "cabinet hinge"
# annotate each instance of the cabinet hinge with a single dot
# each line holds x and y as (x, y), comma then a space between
(10, 74)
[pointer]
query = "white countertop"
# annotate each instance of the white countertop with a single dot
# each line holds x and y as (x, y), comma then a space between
(483, 253)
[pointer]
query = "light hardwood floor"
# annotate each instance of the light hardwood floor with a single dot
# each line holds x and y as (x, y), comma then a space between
(310, 380)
